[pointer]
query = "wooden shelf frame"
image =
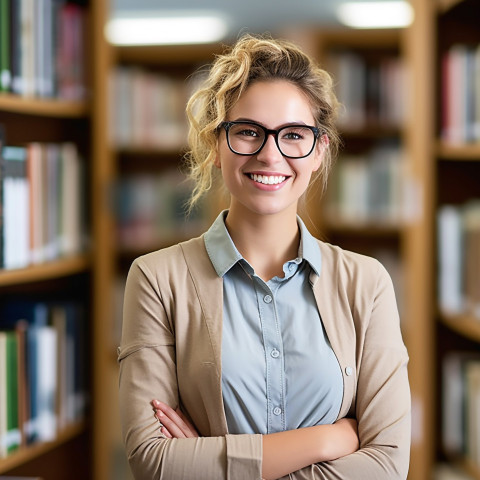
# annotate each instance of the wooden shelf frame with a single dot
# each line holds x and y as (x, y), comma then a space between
(464, 324)
(46, 271)
(43, 107)
(28, 453)
(446, 5)
(447, 151)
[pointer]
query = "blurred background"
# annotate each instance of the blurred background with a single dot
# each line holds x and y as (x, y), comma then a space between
(92, 135)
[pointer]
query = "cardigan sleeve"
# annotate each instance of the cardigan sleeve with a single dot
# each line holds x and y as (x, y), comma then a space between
(147, 371)
(382, 399)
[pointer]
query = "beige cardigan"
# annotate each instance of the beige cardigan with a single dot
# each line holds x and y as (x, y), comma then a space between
(171, 350)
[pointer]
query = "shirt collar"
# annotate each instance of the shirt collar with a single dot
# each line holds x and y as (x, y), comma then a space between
(224, 255)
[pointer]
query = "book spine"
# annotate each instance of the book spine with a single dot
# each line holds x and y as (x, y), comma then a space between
(5, 72)
(13, 437)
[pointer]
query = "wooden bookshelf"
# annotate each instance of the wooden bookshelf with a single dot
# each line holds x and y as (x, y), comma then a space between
(31, 452)
(456, 168)
(55, 120)
(410, 239)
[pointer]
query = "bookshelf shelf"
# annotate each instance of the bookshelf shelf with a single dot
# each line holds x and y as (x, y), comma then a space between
(367, 228)
(150, 151)
(174, 55)
(45, 271)
(43, 107)
(466, 325)
(469, 467)
(446, 151)
(446, 5)
(373, 131)
(25, 454)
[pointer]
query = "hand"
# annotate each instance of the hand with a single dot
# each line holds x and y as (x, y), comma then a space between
(174, 423)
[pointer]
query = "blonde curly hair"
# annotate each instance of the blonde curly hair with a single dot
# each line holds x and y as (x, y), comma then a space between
(252, 59)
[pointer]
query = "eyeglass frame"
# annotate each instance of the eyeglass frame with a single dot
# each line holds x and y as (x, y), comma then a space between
(317, 132)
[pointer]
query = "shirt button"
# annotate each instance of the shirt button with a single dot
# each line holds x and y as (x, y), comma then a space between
(349, 371)
(291, 266)
(277, 411)
(267, 298)
(275, 353)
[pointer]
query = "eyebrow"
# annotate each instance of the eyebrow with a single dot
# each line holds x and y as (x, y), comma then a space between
(251, 120)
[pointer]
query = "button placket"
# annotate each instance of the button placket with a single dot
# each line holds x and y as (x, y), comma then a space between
(273, 346)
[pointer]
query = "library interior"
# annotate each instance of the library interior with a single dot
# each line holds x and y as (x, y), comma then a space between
(84, 87)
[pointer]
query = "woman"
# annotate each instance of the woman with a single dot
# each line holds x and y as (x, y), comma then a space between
(262, 349)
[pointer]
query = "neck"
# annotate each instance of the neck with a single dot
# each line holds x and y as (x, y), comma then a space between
(265, 241)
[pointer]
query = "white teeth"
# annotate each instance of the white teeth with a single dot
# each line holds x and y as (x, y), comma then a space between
(267, 180)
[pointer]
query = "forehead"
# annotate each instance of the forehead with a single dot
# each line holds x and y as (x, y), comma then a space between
(273, 103)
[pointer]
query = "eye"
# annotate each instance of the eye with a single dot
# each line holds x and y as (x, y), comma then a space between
(247, 132)
(294, 133)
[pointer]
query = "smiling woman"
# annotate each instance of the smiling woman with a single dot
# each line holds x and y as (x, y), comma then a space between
(263, 351)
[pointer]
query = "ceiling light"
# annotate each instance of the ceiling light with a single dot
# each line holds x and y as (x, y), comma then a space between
(155, 29)
(376, 14)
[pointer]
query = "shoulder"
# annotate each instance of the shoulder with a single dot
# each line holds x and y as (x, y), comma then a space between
(349, 267)
(172, 261)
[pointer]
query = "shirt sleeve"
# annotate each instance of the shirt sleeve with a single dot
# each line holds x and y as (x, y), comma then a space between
(148, 371)
(383, 404)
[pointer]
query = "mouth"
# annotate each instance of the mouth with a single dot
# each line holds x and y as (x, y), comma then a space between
(267, 179)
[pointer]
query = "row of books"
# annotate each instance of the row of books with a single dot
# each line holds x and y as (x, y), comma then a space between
(459, 258)
(461, 94)
(372, 91)
(151, 210)
(42, 46)
(461, 405)
(148, 109)
(42, 210)
(369, 188)
(43, 377)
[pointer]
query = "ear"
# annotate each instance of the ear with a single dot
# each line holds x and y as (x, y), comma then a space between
(217, 161)
(320, 150)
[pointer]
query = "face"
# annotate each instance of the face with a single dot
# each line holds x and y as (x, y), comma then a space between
(272, 104)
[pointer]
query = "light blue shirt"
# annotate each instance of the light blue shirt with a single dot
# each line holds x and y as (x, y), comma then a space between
(279, 371)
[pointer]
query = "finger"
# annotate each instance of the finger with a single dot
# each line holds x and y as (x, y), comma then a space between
(193, 430)
(165, 431)
(170, 418)
(173, 425)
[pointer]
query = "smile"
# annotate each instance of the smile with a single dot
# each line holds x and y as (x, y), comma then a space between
(267, 179)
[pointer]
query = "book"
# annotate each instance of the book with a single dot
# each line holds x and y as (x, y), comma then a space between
(2, 210)
(3, 394)
(15, 201)
(458, 228)
(52, 365)
(5, 71)
(450, 259)
(13, 436)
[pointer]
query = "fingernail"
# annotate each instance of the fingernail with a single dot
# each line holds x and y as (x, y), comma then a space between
(160, 413)
(155, 402)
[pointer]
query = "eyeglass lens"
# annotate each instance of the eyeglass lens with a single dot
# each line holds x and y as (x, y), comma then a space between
(293, 141)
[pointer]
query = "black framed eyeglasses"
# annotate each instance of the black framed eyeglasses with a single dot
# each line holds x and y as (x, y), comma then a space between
(248, 138)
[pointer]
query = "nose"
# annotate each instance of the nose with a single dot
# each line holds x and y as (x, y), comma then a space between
(270, 153)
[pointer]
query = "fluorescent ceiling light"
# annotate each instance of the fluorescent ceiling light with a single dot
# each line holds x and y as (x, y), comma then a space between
(376, 14)
(158, 29)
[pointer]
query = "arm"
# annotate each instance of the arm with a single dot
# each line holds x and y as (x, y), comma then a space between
(283, 452)
(383, 396)
(287, 452)
(147, 357)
